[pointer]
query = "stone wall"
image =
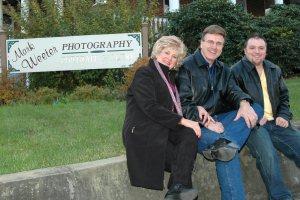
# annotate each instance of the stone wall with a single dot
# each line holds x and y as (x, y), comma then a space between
(108, 179)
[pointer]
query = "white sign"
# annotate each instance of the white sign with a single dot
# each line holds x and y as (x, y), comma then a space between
(73, 53)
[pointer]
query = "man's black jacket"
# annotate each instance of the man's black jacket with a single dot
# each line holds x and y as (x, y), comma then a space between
(248, 79)
(217, 92)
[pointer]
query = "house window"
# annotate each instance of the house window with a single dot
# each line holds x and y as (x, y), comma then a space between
(166, 6)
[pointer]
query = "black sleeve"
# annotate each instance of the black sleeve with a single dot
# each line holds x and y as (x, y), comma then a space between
(189, 107)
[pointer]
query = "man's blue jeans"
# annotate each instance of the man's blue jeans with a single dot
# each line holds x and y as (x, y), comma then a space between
(263, 142)
(229, 173)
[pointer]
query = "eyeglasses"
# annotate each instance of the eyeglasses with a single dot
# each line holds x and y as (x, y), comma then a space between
(212, 43)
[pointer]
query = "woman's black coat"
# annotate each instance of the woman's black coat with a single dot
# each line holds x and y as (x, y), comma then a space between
(149, 119)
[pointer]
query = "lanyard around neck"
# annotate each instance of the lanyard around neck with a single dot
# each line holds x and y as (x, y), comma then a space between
(176, 100)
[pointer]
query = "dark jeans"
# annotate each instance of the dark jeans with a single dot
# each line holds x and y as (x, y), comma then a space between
(181, 154)
(263, 143)
(229, 173)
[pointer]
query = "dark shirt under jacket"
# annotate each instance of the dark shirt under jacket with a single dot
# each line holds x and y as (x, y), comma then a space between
(217, 91)
(148, 121)
(248, 79)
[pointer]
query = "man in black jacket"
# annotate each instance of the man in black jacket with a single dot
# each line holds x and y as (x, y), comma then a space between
(210, 95)
(263, 81)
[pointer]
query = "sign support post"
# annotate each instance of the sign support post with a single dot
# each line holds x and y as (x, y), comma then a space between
(145, 39)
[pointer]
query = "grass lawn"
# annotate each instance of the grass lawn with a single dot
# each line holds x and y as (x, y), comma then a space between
(294, 93)
(42, 136)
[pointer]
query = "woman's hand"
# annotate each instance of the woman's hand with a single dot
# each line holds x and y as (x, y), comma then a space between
(191, 124)
(216, 127)
(204, 117)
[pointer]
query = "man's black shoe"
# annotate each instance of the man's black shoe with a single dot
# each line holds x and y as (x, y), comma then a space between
(180, 192)
(220, 150)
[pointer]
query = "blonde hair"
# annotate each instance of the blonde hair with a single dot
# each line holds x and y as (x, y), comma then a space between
(170, 42)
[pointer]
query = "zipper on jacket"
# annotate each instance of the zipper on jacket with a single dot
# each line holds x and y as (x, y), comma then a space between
(210, 74)
(132, 129)
(212, 87)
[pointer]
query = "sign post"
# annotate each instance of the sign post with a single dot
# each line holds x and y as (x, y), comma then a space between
(145, 39)
(2, 41)
(3, 37)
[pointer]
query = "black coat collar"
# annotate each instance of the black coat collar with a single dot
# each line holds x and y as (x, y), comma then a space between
(168, 72)
(249, 66)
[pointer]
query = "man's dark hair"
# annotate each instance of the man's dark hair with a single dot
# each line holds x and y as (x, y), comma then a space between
(214, 29)
(255, 36)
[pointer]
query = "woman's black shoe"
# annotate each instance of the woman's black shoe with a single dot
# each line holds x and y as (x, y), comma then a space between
(180, 192)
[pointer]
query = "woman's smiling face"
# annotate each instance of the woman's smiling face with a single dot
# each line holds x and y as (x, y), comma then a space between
(168, 56)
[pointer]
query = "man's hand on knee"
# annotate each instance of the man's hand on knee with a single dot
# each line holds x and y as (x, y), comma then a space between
(248, 113)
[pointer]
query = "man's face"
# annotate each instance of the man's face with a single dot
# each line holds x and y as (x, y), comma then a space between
(212, 46)
(256, 51)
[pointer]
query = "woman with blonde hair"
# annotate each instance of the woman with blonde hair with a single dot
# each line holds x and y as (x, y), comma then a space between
(156, 136)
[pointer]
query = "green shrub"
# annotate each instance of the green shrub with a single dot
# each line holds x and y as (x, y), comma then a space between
(63, 81)
(43, 95)
(281, 27)
(91, 93)
(113, 78)
(193, 18)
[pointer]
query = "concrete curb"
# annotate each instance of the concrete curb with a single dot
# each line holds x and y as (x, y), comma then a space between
(108, 179)
(102, 179)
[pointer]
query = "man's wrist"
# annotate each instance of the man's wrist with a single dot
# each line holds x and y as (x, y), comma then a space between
(244, 102)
